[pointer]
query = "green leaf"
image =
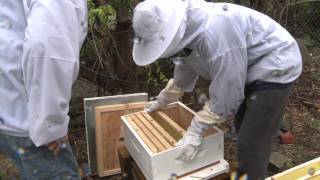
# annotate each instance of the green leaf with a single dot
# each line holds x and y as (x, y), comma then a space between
(316, 124)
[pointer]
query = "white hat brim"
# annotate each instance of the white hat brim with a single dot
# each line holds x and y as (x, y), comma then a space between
(146, 53)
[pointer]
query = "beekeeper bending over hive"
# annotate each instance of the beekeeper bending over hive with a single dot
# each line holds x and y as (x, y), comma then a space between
(250, 59)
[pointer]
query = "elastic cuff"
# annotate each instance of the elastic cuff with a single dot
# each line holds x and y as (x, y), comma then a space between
(199, 127)
(170, 93)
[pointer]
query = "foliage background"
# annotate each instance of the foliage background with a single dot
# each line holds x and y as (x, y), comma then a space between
(106, 56)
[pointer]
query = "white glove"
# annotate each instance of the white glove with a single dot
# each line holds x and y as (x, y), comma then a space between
(209, 117)
(152, 106)
(191, 141)
(169, 94)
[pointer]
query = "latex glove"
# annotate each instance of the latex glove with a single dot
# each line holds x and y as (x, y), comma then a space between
(191, 141)
(169, 94)
(57, 145)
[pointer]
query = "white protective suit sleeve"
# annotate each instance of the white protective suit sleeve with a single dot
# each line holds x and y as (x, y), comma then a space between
(228, 79)
(226, 91)
(184, 76)
(53, 38)
(169, 94)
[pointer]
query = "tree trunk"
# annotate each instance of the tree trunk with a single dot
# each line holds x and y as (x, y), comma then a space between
(125, 66)
(100, 2)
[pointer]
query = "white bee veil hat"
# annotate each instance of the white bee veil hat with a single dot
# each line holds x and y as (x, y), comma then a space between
(158, 27)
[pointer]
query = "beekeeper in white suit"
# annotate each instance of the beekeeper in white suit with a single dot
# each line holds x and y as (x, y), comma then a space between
(250, 59)
(40, 43)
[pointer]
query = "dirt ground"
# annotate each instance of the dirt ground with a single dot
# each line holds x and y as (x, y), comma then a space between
(302, 115)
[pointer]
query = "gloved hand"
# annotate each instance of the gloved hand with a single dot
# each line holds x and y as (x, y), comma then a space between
(152, 106)
(191, 141)
(169, 94)
(209, 117)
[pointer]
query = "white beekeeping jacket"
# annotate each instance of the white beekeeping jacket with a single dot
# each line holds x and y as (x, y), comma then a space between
(234, 46)
(39, 61)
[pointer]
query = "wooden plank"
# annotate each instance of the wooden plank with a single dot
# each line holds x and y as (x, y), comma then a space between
(148, 142)
(154, 131)
(316, 177)
(90, 105)
(165, 134)
(122, 107)
(148, 133)
(100, 150)
(174, 134)
(300, 171)
(108, 133)
(170, 122)
(185, 117)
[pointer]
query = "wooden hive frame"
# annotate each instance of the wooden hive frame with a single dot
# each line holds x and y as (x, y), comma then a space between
(151, 132)
(108, 134)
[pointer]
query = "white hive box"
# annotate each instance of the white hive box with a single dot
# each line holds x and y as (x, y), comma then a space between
(157, 159)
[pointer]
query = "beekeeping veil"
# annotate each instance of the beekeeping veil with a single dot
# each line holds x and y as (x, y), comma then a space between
(164, 27)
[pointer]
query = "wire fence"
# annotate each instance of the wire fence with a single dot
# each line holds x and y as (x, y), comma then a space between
(300, 17)
(303, 20)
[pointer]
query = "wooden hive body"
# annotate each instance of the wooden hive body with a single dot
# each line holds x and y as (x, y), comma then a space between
(151, 138)
(109, 133)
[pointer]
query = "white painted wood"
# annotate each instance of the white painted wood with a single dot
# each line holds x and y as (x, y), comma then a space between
(211, 151)
(89, 107)
(209, 172)
(300, 171)
(162, 165)
(137, 148)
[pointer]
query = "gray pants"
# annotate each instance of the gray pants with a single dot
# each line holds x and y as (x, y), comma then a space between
(257, 123)
(39, 163)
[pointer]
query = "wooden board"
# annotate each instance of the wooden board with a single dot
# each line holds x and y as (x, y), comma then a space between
(149, 134)
(309, 170)
(143, 136)
(180, 117)
(162, 131)
(154, 136)
(90, 105)
(154, 131)
(171, 125)
(108, 134)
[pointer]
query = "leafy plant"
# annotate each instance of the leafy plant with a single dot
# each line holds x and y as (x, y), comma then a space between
(155, 76)
(101, 15)
(316, 124)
